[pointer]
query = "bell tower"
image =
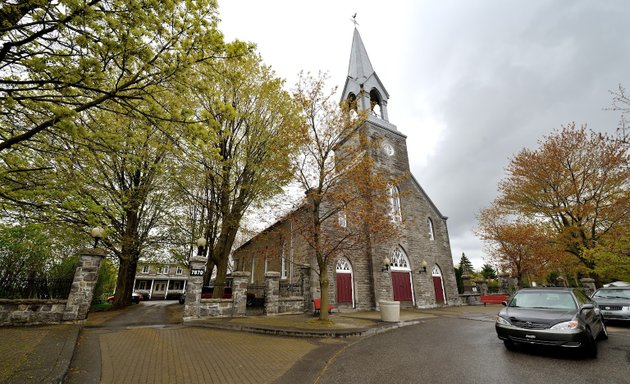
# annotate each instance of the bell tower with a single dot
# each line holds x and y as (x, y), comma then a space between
(363, 89)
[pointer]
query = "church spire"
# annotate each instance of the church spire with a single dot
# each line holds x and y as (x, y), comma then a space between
(363, 86)
(360, 68)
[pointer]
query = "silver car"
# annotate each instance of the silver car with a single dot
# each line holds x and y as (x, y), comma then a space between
(613, 302)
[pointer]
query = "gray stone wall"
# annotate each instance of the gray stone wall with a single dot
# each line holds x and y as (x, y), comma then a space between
(31, 312)
(293, 304)
(75, 308)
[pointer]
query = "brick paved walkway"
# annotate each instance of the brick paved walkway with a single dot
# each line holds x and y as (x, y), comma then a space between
(196, 355)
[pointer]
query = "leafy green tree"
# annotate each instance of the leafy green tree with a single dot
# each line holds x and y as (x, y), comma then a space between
(465, 266)
(239, 156)
(62, 58)
(31, 252)
(488, 271)
(106, 283)
(459, 280)
(91, 114)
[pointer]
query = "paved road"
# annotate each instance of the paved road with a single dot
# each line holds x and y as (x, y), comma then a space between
(452, 350)
(143, 346)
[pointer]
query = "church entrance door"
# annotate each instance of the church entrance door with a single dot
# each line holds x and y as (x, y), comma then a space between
(438, 286)
(344, 288)
(344, 281)
(401, 284)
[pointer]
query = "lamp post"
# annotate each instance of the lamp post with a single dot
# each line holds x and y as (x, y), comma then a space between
(97, 233)
(201, 244)
(386, 263)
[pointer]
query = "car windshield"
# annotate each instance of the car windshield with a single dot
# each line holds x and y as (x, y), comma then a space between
(612, 294)
(543, 300)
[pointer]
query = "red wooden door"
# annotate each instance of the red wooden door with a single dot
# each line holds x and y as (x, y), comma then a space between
(439, 293)
(344, 288)
(401, 283)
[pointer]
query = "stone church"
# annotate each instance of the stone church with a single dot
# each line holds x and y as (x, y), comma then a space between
(414, 267)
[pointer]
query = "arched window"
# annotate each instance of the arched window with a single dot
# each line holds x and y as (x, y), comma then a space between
(394, 196)
(352, 102)
(399, 260)
(430, 227)
(343, 266)
(375, 103)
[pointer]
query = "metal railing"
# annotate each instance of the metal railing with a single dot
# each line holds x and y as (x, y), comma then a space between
(36, 288)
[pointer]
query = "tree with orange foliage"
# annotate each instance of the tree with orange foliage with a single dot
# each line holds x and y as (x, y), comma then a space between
(346, 192)
(515, 246)
(575, 184)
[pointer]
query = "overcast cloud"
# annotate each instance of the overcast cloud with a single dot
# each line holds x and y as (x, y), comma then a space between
(471, 83)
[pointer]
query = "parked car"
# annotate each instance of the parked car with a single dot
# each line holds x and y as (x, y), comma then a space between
(562, 317)
(613, 302)
(135, 298)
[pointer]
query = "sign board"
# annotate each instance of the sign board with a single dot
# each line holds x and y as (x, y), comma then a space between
(196, 272)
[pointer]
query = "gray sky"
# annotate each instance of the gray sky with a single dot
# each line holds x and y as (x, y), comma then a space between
(471, 83)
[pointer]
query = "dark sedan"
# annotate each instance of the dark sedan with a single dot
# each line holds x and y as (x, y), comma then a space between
(614, 302)
(563, 317)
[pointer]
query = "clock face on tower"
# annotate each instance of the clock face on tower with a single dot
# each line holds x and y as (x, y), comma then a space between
(388, 149)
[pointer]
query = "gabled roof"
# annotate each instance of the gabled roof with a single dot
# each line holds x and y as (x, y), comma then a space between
(417, 184)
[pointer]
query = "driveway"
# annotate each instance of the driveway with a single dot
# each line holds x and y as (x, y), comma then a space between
(467, 350)
(146, 344)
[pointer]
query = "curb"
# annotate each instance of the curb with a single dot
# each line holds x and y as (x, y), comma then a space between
(306, 333)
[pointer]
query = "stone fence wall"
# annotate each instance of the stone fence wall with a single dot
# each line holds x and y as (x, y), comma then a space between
(75, 308)
(196, 308)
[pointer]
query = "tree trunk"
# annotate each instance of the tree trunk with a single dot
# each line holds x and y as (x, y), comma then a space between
(324, 284)
(129, 255)
(124, 283)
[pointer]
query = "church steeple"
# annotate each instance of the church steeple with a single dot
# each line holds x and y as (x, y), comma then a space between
(363, 86)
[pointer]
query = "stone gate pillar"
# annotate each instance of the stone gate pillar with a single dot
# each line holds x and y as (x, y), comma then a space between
(272, 292)
(83, 284)
(305, 281)
(193, 288)
(239, 292)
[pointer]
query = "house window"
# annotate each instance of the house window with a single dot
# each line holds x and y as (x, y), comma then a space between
(394, 196)
(177, 285)
(142, 284)
(145, 269)
(342, 218)
(164, 270)
(430, 227)
(179, 271)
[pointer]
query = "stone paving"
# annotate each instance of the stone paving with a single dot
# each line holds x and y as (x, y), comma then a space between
(196, 355)
(207, 352)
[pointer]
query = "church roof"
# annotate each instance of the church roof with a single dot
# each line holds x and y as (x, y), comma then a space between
(360, 67)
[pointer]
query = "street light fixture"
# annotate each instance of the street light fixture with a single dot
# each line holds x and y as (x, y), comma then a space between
(386, 263)
(424, 265)
(97, 233)
(201, 244)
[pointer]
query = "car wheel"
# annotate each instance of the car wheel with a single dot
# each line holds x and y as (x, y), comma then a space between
(590, 345)
(603, 334)
(509, 345)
